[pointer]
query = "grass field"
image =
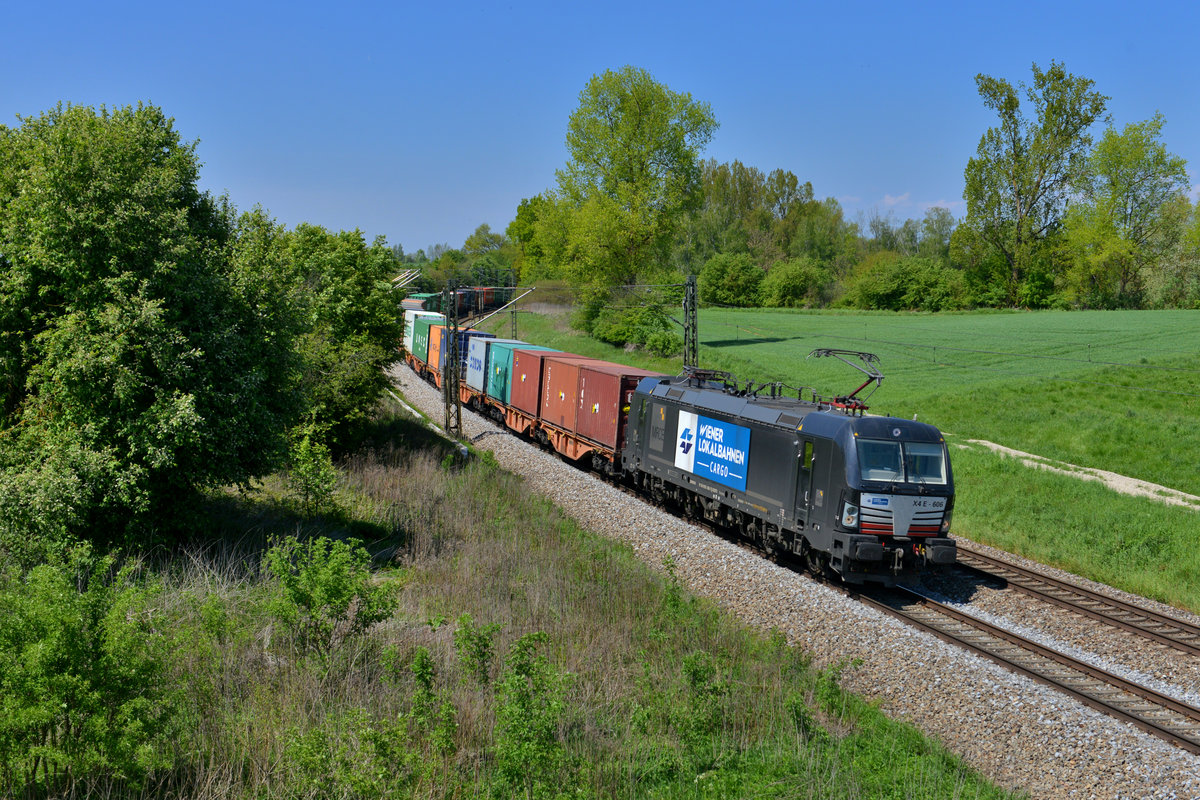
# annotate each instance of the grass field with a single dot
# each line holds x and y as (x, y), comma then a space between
(1112, 390)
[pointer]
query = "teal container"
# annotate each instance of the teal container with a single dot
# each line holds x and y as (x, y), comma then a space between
(500, 364)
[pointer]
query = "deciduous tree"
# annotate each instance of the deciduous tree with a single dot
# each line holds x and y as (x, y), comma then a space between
(1024, 171)
(1133, 211)
(634, 148)
(136, 366)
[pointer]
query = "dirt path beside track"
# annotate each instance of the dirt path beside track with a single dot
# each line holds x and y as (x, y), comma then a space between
(1118, 483)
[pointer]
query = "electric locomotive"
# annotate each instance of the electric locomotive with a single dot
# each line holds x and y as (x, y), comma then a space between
(863, 498)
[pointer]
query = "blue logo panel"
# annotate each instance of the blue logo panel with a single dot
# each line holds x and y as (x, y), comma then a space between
(718, 451)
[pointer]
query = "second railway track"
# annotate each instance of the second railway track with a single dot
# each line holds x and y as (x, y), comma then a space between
(1153, 712)
(1165, 630)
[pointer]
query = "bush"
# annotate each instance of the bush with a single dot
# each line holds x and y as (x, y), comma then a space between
(795, 283)
(312, 475)
(474, 645)
(83, 689)
(911, 283)
(731, 279)
(646, 326)
(324, 594)
(351, 754)
(529, 755)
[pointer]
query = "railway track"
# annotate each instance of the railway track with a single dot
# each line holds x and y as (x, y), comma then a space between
(1142, 622)
(1155, 713)
(1169, 719)
(1158, 714)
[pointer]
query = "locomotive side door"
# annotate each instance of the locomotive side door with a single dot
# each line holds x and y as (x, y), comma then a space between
(813, 492)
(822, 495)
(804, 479)
(634, 422)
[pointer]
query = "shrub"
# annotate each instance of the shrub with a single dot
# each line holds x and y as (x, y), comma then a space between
(910, 283)
(324, 593)
(795, 283)
(529, 755)
(350, 754)
(83, 689)
(646, 326)
(474, 645)
(730, 279)
(312, 475)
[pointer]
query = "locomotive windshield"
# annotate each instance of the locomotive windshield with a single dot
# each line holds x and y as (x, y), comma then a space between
(907, 462)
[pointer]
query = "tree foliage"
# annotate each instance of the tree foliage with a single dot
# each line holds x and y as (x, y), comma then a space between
(1019, 182)
(1130, 216)
(770, 217)
(135, 364)
(633, 170)
(353, 330)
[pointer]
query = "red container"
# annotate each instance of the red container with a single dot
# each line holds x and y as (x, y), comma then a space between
(526, 379)
(605, 394)
(560, 389)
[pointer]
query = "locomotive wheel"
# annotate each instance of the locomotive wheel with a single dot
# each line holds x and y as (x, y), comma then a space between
(817, 563)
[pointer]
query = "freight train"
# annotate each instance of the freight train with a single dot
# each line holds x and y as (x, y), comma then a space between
(858, 498)
(472, 300)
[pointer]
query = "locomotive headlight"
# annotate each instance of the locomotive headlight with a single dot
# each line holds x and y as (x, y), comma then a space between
(946, 522)
(849, 515)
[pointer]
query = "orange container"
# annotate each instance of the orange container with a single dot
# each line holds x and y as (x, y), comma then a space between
(437, 333)
(526, 379)
(560, 389)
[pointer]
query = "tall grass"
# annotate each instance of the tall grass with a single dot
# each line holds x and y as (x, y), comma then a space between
(525, 657)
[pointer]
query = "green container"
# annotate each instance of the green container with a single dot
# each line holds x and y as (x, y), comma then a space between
(420, 347)
(500, 364)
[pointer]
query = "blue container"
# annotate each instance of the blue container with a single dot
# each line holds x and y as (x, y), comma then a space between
(465, 336)
(478, 353)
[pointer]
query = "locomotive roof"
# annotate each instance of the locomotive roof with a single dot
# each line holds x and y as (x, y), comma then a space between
(787, 412)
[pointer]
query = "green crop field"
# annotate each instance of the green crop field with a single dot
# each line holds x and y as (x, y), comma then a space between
(1114, 390)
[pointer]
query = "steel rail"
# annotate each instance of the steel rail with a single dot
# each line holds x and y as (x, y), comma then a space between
(1162, 716)
(1152, 625)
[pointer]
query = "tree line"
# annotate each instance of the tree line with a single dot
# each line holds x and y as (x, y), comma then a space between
(154, 342)
(1054, 217)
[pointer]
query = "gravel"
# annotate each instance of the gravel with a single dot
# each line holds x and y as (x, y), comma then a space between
(1020, 734)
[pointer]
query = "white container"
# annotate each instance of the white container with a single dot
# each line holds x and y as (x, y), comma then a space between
(478, 357)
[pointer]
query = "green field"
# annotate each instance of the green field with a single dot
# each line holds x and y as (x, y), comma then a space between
(1114, 390)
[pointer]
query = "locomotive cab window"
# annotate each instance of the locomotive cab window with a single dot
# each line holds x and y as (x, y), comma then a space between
(924, 462)
(909, 462)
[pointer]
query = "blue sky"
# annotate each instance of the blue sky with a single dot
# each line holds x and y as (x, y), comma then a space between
(419, 121)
